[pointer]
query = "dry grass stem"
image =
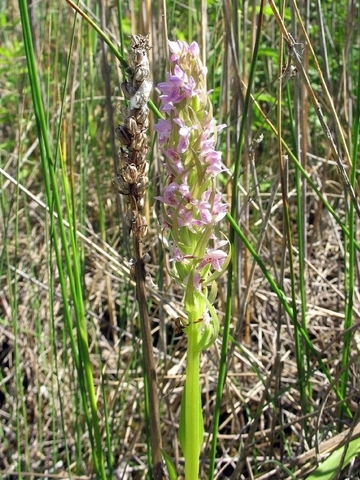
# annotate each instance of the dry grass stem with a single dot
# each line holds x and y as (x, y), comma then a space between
(132, 181)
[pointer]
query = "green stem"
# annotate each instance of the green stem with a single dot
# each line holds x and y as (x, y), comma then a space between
(193, 413)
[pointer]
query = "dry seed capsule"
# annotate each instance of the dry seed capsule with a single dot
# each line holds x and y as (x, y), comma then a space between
(131, 125)
(123, 186)
(130, 218)
(142, 95)
(140, 204)
(139, 141)
(130, 173)
(139, 156)
(124, 135)
(142, 114)
(143, 169)
(141, 186)
(124, 156)
(142, 68)
(139, 227)
(128, 89)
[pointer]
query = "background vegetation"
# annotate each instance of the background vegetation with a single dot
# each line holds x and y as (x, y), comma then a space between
(69, 333)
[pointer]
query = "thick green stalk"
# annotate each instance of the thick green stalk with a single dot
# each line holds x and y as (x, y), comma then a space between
(193, 413)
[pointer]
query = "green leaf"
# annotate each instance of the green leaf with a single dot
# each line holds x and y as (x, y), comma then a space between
(211, 332)
(329, 469)
(170, 467)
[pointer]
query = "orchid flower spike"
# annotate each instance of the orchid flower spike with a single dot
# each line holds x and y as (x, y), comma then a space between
(192, 205)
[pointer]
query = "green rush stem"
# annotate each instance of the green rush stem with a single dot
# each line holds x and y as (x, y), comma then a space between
(193, 414)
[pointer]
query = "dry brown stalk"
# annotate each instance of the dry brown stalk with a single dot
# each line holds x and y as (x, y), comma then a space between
(132, 181)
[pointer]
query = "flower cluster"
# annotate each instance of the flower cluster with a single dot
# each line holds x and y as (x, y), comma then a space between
(132, 180)
(187, 137)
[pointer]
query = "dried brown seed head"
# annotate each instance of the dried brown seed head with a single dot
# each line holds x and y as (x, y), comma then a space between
(133, 180)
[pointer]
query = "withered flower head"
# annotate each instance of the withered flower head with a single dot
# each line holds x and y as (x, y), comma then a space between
(132, 179)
